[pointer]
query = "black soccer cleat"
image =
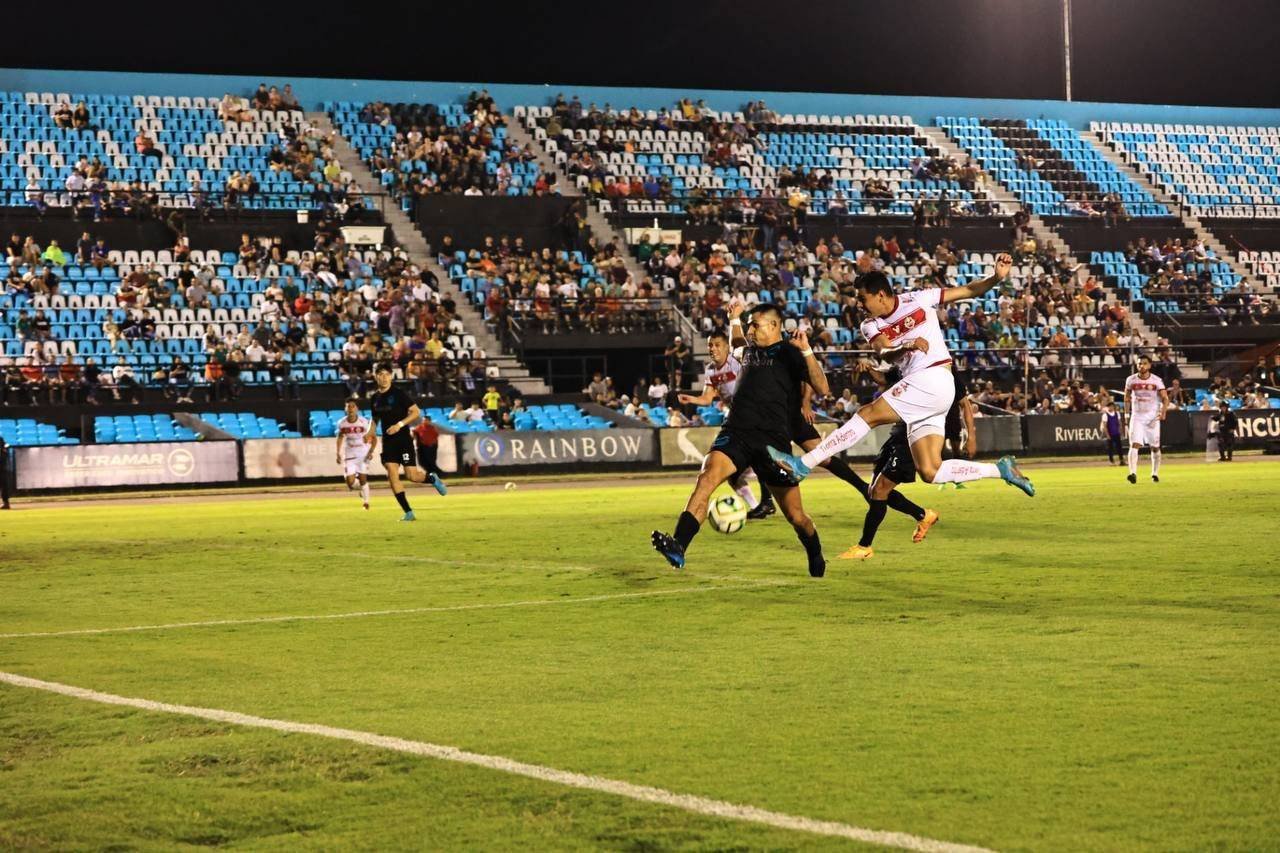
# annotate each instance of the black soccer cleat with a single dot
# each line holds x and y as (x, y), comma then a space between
(1132, 478)
(1155, 478)
(669, 548)
(762, 510)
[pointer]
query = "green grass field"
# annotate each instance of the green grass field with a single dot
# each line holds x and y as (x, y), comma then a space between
(1093, 669)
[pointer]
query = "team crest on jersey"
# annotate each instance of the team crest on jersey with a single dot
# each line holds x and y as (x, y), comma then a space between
(896, 390)
(893, 331)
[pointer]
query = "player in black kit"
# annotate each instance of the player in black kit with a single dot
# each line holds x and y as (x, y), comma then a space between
(804, 434)
(769, 389)
(396, 413)
(895, 466)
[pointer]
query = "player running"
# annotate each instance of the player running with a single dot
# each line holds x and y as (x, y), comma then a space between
(768, 391)
(395, 411)
(720, 379)
(1145, 402)
(905, 327)
(355, 449)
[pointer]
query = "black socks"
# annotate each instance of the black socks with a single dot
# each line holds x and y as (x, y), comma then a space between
(870, 524)
(813, 548)
(403, 500)
(686, 529)
(842, 470)
(903, 504)
(766, 497)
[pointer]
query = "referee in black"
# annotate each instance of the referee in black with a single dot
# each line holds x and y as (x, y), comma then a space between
(769, 392)
(396, 413)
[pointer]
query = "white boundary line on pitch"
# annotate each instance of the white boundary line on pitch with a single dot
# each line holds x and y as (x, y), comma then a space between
(643, 793)
(361, 614)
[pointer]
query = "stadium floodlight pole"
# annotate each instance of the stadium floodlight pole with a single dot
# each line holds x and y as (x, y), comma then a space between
(1066, 44)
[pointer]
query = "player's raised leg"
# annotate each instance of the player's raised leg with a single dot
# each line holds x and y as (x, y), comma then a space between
(927, 451)
(849, 433)
(716, 468)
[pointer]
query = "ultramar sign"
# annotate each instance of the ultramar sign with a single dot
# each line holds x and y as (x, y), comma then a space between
(558, 448)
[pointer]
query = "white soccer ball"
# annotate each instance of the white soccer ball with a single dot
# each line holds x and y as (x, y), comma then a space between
(728, 514)
(510, 487)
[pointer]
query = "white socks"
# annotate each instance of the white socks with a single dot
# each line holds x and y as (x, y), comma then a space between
(364, 493)
(962, 471)
(1155, 461)
(747, 495)
(1133, 460)
(843, 438)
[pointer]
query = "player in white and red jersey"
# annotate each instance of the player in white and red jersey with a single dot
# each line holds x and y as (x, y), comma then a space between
(1145, 403)
(905, 328)
(354, 448)
(720, 379)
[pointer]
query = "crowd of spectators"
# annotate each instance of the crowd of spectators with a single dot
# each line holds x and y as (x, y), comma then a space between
(456, 157)
(1181, 271)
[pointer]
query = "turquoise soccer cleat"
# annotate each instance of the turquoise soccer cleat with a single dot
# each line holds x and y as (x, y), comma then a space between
(438, 485)
(409, 516)
(1010, 474)
(792, 466)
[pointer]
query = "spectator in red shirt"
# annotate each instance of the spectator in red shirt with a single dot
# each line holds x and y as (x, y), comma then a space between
(301, 305)
(428, 439)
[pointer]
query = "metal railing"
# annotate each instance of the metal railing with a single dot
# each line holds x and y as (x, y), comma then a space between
(729, 205)
(215, 203)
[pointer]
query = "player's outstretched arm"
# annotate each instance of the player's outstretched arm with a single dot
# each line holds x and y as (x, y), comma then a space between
(1004, 264)
(338, 451)
(1164, 403)
(704, 399)
(815, 377)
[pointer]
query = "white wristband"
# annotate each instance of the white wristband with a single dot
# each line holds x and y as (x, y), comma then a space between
(735, 322)
(806, 353)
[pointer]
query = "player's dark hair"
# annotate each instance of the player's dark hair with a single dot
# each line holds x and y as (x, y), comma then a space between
(354, 400)
(718, 334)
(383, 367)
(874, 282)
(768, 308)
(1145, 358)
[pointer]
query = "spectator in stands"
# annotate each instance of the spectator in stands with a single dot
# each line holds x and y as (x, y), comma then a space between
(281, 370)
(35, 197)
(124, 383)
(146, 146)
(657, 392)
(80, 119)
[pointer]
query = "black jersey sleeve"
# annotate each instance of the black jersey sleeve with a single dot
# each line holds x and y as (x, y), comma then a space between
(795, 363)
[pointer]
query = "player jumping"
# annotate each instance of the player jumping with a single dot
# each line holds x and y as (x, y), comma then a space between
(768, 391)
(354, 448)
(905, 327)
(395, 411)
(1145, 402)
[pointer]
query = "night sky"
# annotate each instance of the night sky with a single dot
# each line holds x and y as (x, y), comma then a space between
(1224, 52)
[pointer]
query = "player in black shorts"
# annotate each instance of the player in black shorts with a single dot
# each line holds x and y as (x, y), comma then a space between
(960, 418)
(773, 372)
(895, 466)
(395, 412)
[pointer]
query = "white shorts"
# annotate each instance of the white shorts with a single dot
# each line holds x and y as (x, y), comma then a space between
(1145, 431)
(354, 465)
(922, 400)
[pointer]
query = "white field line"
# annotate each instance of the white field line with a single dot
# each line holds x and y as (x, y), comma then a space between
(643, 793)
(361, 614)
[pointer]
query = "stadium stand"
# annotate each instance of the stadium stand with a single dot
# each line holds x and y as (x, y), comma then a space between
(128, 429)
(323, 422)
(29, 432)
(138, 153)
(709, 164)
(247, 425)
(1213, 170)
(1046, 164)
(415, 149)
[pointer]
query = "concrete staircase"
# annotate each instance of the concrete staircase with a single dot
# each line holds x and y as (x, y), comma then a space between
(1193, 222)
(1045, 236)
(407, 235)
(597, 221)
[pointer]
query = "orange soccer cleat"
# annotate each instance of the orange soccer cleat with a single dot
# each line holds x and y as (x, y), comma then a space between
(923, 525)
(857, 552)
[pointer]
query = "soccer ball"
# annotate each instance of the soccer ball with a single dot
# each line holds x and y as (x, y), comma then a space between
(728, 514)
(510, 487)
